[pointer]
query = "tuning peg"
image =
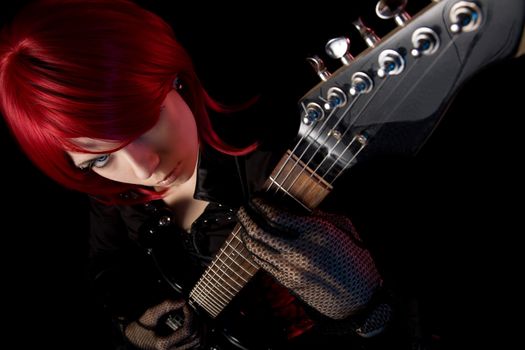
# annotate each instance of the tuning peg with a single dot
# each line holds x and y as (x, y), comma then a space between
(465, 17)
(367, 34)
(390, 63)
(393, 9)
(338, 48)
(312, 113)
(335, 98)
(425, 41)
(361, 84)
(319, 67)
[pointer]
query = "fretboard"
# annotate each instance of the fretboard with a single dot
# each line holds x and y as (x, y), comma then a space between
(233, 266)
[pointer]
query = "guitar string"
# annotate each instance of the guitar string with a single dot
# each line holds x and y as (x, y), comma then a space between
(425, 72)
(198, 295)
(321, 132)
(240, 253)
(214, 300)
(321, 145)
(331, 114)
(392, 90)
(294, 149)
(208, 278)
(204, 282)
(224, 263)
(236, 262)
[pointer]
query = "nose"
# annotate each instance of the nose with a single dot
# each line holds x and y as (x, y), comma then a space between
(142, 158)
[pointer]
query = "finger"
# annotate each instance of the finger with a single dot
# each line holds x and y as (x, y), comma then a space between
(152, 315)
(258, 231)
(257, 246)
(258, 223)
(271, 261)
(267, 266)
(182, 334)
(344, 224)
(283, 222)
(188, 314)
(139, 336)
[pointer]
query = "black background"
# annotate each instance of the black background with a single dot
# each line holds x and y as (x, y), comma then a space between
(453, 211)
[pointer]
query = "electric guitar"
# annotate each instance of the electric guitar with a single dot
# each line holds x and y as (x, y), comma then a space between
(387, 100)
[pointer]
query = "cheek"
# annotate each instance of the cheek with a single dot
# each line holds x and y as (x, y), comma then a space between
(187, 141)
(120, 174)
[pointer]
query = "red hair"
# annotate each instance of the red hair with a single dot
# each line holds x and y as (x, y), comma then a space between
(97, 69)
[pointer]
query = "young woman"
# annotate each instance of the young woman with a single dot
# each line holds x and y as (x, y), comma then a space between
(103, 99)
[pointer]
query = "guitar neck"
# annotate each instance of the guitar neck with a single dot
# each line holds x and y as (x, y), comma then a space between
(228, 273)
(293, 178)
(232, 268)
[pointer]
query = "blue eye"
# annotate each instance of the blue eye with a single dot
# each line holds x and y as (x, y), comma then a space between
(99, 162)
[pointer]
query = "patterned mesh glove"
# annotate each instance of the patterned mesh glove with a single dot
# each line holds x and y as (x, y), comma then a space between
(149, 332)
(320, 257)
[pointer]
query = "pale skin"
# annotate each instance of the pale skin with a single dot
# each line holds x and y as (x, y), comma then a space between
(164, 157)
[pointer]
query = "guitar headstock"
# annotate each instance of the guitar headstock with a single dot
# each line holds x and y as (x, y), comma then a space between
(389, 98)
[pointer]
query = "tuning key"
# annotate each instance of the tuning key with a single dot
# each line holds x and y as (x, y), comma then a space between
(425, 42)
(361, 84)
(390, 63)
(319, 67)
(335, 98)
(465, 17)
(312, 113)
(386, 11)
(338, 48)
(367, 34)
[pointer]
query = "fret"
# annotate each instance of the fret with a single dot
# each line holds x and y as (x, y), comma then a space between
(301, 183)
(219, 258)
(220, 284)
(232, 251)
(219, 296)
(205, 299)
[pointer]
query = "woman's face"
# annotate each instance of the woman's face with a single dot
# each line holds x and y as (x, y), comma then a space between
(162, 157)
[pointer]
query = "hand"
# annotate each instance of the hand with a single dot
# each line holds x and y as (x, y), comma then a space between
(144, 333)
(320, 257)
